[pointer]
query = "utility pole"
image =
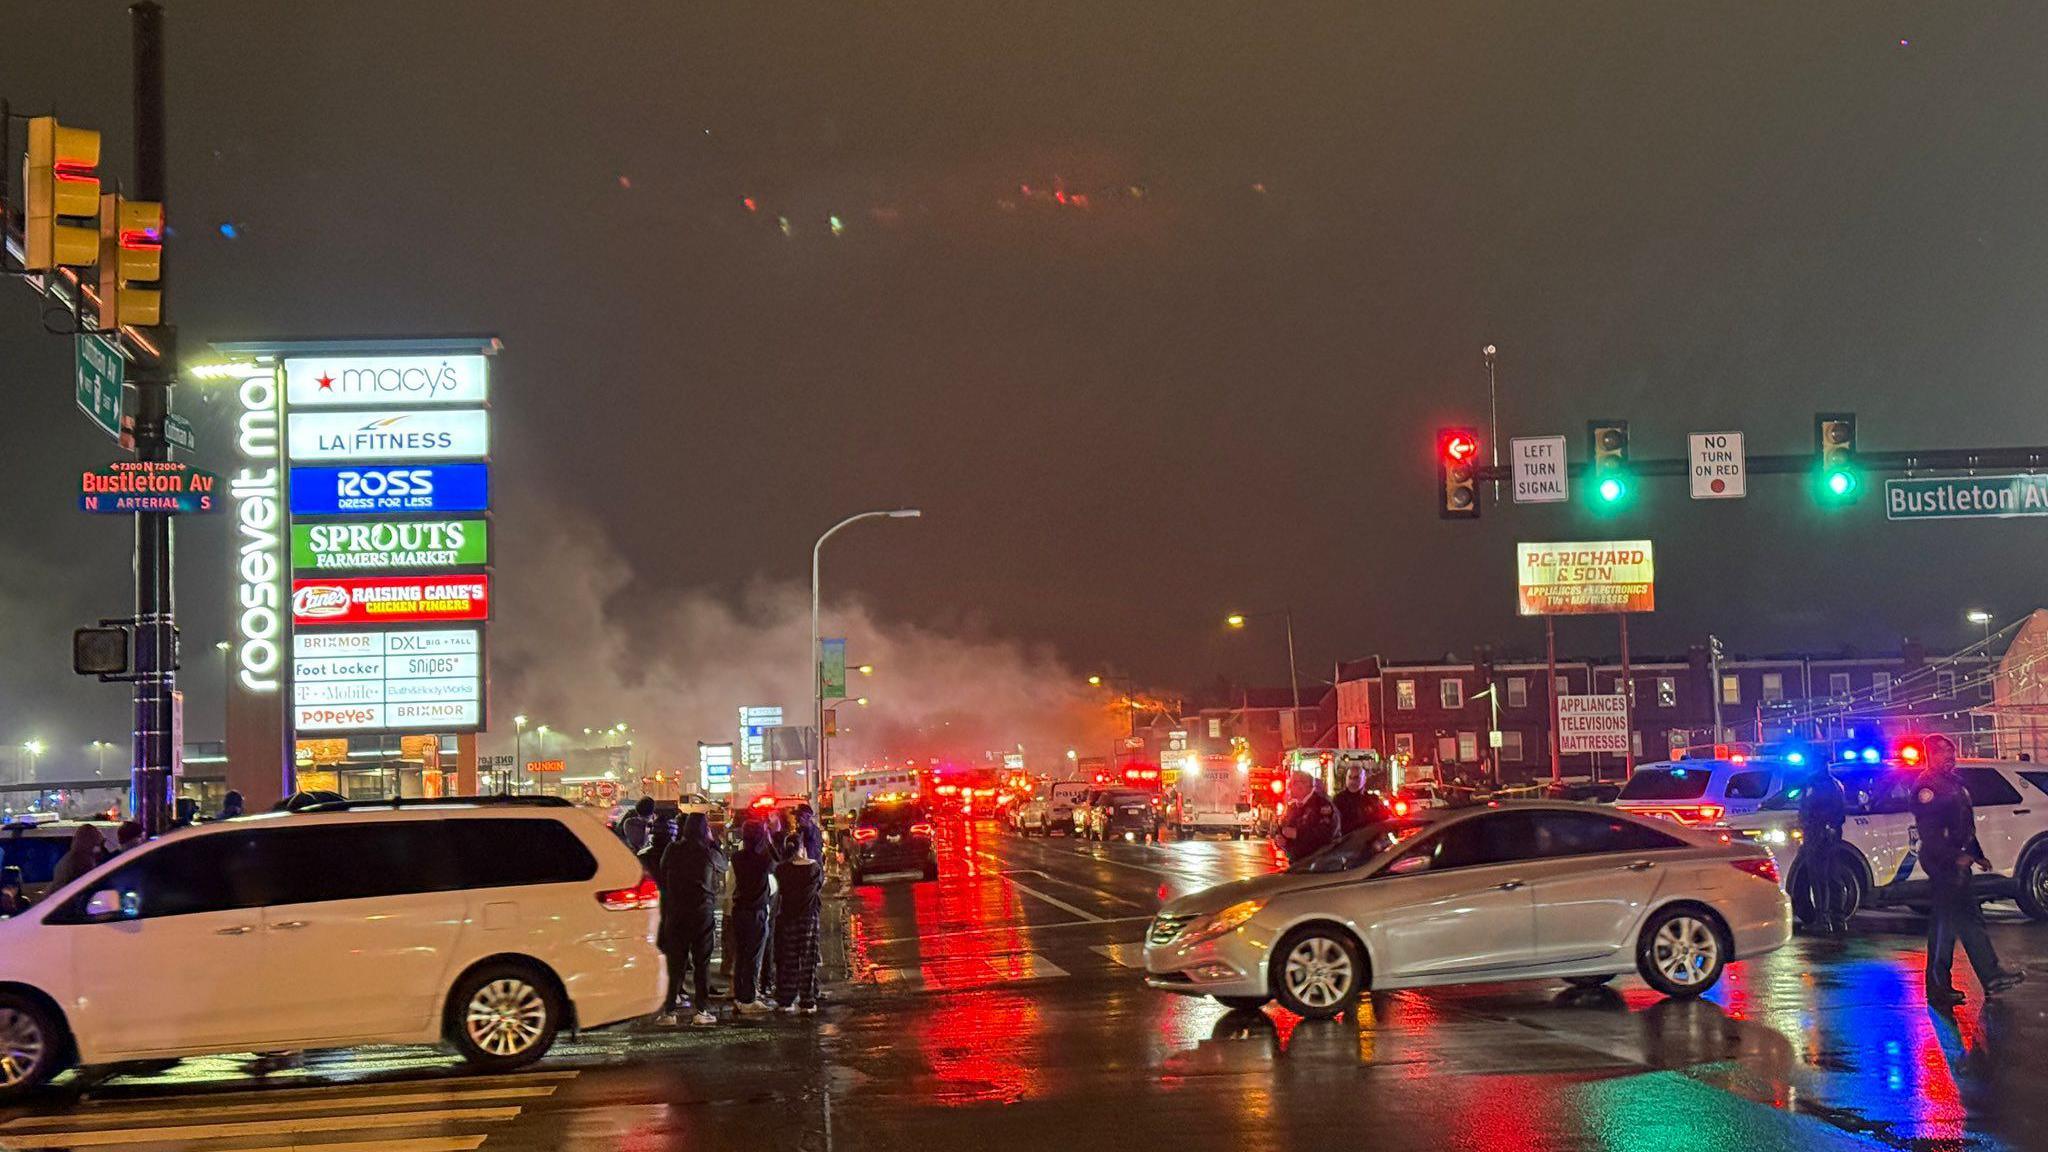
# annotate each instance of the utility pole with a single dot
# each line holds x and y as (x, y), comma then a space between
(156, 659)
(1714, 688)
(1493, 421)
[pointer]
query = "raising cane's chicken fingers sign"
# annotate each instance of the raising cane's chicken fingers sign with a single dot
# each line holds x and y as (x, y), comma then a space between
(1584, 578)
(390, 600)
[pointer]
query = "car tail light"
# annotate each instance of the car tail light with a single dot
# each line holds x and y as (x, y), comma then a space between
(1765, 868)
(865, 834)
(920, 829)
(1400, 807)
(645, 894)
(1712, 812)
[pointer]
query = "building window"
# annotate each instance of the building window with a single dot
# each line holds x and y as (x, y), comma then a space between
(1838, 685)
(1404, 744)
(1774, 686)
(1215, 728)
(1511, 747)
(1452, 692)
(1881, 686)
(1404, 695)
(1447, 749)
(1667, 692)
(1351, 735)
(1731, 689)
(1635, 741)
(1518, 692)
(1468, 747)
(1946, 681)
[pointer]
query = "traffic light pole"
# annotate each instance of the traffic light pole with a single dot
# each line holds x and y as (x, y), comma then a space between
(2033, 457)
(156, 662)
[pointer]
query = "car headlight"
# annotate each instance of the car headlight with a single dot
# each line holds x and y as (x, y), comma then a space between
(1221, 923)
(1776, 836)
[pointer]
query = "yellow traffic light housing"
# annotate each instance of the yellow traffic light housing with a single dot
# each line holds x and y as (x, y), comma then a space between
(131, 260)
(59, 181)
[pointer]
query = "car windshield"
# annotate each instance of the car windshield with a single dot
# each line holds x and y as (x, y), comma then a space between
(1667, 784)
(1361, 845)
(1860, 789)
(890, 817)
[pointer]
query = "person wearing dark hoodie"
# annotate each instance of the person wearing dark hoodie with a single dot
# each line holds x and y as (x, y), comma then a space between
(751, 867)
(800, 876)
(691, 873)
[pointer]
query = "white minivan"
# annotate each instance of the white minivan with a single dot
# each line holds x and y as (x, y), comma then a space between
(490, 924)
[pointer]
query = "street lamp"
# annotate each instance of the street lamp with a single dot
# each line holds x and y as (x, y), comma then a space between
(33, 748)
(518, 752)
(818, 656)
(1238, 619)
(1982, 618)
(99, 748)
(866, 669)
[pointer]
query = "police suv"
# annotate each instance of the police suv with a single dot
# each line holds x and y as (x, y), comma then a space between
(1881, 847)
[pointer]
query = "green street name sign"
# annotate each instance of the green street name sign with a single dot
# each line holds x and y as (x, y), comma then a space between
(1966, 497)
(391, 545)
(99, 374)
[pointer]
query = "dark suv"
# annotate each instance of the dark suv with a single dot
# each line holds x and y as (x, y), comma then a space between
(892, 836)
(1126, 814)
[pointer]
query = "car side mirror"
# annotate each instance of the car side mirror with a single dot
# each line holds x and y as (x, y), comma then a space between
(108, 904)
(1408, 864)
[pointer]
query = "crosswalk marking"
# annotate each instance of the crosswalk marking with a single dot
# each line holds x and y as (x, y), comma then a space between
(972, 971)
(89, 1138)
(111, 1117)
(1128, 955)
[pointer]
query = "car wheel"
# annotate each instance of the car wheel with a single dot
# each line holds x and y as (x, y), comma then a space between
(32, 1046)
(503, 1016)
(1242, 1003)
(1318, 972)
(1682, 951)
(1590, 981)
(2032, 889)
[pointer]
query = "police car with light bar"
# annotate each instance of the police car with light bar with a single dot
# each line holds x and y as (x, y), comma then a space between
(1880, 844)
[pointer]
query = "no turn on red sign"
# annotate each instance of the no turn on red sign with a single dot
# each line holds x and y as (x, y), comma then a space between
(1718, 470)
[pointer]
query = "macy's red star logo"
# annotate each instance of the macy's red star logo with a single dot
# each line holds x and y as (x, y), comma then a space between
(325, 382)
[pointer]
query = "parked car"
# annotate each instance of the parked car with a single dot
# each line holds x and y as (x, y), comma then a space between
(1704, 791)
(892, 836)
(1526, 890)
(1044, 814)
(1126, 814)
(1880, 845)
(488, 924)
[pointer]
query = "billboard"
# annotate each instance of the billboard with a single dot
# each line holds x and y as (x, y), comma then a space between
(390, 544)
(1592, 724)
(714, 768)
(393, 679)
(386, 488)
(429, 435)
(389, 600)
(1585, 578)
(832, 669)
(365, 381)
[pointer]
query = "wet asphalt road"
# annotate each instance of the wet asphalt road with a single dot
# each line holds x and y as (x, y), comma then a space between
(998, 1008)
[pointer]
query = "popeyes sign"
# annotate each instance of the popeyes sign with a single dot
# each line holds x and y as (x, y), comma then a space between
(1576, 579)
(390, 600)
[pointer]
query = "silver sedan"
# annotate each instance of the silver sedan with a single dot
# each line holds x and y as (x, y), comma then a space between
(1518, 891)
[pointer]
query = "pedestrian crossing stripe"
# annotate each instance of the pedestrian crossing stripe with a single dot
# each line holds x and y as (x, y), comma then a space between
(1128, 955)
(946, 973)
(207, 1120)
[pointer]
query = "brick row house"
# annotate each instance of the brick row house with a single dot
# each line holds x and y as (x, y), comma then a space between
(1439, 713)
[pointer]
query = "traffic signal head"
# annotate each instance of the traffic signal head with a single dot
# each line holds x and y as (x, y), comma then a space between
(1834, 447)
(60, 195)
(1607, 450)
(1457, 473)
(131, 259)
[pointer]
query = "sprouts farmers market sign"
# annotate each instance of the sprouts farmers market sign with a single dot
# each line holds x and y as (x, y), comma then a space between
(1585, 578)
(361, 544)
(1966, 497)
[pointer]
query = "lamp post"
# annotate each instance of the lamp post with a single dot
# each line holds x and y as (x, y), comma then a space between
(1980, 617)
(99, 748)
(30, 749)
(817, 656)
(518, 752)
(1238, 619)
(531, 777)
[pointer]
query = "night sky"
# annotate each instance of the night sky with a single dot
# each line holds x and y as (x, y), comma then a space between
(1152, 308)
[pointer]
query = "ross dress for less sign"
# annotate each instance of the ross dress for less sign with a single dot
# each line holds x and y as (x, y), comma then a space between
(1592, 724)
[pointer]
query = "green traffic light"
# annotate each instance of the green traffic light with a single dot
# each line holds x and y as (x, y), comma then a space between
(1611, 489)
(1841, 483)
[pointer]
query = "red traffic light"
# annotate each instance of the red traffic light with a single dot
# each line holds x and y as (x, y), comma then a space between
(1461, 447)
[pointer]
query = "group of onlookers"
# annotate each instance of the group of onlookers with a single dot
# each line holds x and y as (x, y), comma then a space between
(776, 860)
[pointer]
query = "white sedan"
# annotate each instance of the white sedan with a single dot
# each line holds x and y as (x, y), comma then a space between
(1518, 891)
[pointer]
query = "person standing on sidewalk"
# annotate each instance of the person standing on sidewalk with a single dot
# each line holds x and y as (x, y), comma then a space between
(692, 871)
(751, 867)
(801, 877)
(1949, 851)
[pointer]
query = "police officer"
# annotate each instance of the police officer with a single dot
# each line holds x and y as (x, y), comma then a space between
(1822, 810)
(1949, 851)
